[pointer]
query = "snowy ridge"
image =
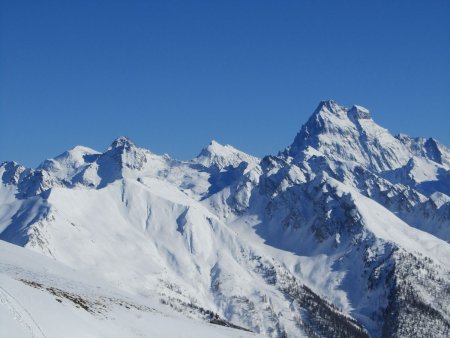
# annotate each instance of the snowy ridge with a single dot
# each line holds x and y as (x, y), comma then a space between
(350, 134)
(345, 234)
(222, 156)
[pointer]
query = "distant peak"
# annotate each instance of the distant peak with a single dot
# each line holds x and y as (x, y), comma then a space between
(330, 105)
(215, 148)
(122, 141)
(215, 144)
(359, 112)
(216, 154)
(333, 108)
(83, 149)
(75, 153)
(124, 152)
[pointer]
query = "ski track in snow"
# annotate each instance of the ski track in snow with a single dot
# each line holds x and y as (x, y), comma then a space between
(21, 314)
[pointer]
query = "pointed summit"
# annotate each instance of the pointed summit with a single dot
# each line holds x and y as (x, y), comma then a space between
(326, 116)
(215, 146)
(122, 141)
(349, 135)
(124, 152)
(221, 156)
(328, 105)
(69, 163)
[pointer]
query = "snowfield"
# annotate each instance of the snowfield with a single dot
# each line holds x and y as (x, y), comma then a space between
(345, 233)
(42, 298)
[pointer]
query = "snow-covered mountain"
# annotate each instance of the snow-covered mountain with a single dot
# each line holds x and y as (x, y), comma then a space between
(345, 233)
(221, 157)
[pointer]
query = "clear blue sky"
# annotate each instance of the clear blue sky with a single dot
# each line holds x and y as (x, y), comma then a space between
(172, 75)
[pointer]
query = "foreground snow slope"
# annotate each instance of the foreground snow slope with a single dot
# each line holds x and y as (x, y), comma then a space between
(329, 238)
(42, 298)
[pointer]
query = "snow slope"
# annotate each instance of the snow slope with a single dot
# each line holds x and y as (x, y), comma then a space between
(344, 233)
(42, 298)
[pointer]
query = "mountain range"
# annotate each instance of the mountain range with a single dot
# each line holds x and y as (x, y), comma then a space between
(344, 233)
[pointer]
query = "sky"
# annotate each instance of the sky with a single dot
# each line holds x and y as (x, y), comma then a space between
(173, 75)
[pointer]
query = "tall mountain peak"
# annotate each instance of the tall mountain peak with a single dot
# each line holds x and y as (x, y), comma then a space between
(221, 156)
(215, 146)
(126, 153)
(122, 142)
(329, 107)
(349, 135)
(70, 162)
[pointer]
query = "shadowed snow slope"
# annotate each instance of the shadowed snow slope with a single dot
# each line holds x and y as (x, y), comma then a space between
(343, 234)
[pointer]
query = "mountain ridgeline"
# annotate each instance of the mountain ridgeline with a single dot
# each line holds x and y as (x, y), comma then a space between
(345, 233)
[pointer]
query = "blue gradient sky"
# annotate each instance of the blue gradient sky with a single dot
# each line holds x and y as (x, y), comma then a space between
(172, 75)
